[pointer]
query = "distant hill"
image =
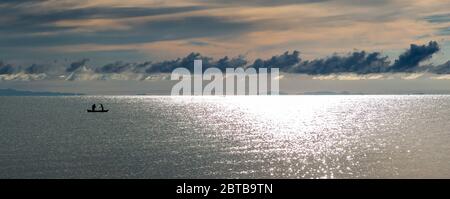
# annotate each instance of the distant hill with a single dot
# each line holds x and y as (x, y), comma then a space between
(13, 92)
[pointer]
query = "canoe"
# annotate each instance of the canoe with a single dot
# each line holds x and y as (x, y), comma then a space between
(97, 111)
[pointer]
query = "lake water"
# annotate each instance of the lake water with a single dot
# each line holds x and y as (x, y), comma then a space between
(226, 137)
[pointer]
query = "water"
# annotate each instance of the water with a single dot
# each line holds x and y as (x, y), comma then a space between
(226, 137)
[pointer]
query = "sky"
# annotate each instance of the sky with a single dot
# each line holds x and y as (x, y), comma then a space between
(318, 44)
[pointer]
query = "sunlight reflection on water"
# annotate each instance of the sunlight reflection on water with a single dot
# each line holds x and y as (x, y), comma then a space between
(229, 137)
(313, 136)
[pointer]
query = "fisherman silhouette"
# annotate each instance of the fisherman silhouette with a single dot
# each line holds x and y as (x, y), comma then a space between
(93, 110)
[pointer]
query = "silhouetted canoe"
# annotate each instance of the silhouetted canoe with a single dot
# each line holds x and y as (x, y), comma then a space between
(97, 111)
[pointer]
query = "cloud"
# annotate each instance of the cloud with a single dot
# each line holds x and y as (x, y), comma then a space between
(22, 77)
(263, 2)
(110, 73)
(139, 32)
(36, 69)
(358, 65)
(166, 66)
(360, 62)
(198, 43)
(440, 18)
(226, 62)
(442, 69)
(188, 62)
(441, 77)
(19, 2)
(54, 20)
(63, 24)
(7, 68)
(412, 76)
(444, 31)
(410, 60)
(185, 62)
(104, 13)
(349, 77)
(77, 64)
(285, 61)
(116, 67)
(295, 2)
(356, 62)
(32, 71)
(215, 27)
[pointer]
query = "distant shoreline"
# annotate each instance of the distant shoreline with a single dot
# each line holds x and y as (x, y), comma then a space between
(14, 92)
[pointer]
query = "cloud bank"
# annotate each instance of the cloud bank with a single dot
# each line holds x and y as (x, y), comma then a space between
(359, 63)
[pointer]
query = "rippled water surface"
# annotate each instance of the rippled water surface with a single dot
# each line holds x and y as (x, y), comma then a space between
(226, 137)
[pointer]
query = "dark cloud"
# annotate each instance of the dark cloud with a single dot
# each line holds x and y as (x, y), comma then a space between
(141, 67)
(410, 60)
(77, 64)
(285, 61)
(356, 62)
(163, 67)
(226, 62)
(169, 65)
(6, 69)
(120, 67)
(36, 69)
(116, 67)
(185, 62)
(188, 62)
(359, 62)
